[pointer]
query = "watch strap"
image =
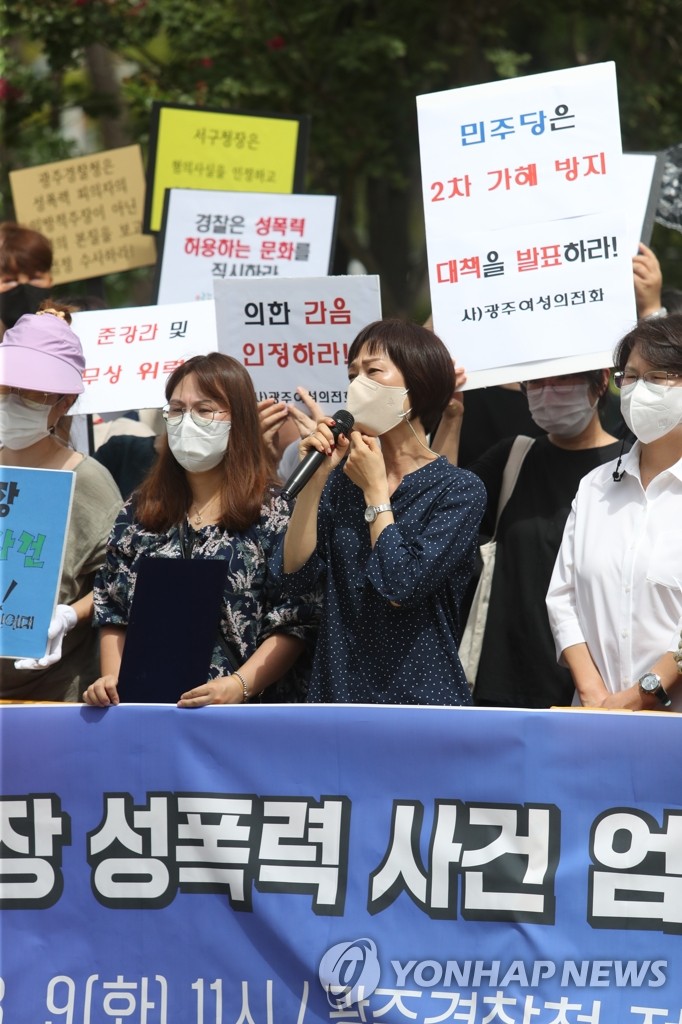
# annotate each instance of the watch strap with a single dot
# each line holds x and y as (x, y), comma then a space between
(372, 511)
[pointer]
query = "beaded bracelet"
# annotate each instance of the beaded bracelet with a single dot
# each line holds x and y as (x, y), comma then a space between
(241, 679)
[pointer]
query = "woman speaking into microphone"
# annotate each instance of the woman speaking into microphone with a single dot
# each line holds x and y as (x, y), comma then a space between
(389, 529)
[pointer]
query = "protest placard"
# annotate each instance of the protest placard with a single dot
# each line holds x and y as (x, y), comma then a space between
(129, 353)
(295, 331)
(643, 173)
(201, 148)
(35, 505)
(529, 257)
(90, 208)
(208, 234)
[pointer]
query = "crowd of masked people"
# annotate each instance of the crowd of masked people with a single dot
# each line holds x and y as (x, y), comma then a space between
(515, 546)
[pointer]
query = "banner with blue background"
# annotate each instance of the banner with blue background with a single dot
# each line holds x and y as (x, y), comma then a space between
(305, 864)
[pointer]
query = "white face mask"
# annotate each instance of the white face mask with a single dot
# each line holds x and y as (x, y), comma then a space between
(650, 410)
(22, 423)
(376, 408)
(196, 448)
(564, 413)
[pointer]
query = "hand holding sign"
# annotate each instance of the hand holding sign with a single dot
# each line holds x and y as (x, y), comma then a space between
(63, 620)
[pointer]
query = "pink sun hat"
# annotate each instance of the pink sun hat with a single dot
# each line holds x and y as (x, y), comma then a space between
(42, 353)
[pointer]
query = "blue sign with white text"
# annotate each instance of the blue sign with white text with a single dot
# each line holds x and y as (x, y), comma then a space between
(34, 517)
(307, 864)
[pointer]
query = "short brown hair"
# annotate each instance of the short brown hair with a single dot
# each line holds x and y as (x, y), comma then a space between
(23, 250)
(421, 357)
(658, 341)
(165, 496)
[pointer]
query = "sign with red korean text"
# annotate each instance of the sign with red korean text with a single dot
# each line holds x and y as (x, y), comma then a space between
(291, 332)
(529, 250)
(90, 208)
(129, 353)
(194, 147)
(208, 235)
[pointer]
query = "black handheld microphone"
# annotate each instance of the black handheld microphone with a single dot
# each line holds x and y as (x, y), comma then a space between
(313, 460)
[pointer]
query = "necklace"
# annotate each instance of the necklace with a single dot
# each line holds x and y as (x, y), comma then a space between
(199, 512)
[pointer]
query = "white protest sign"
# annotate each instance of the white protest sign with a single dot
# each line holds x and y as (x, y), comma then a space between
(640, 180)
(522, 187)
(291, 331)
(210, 234)
(129, 353)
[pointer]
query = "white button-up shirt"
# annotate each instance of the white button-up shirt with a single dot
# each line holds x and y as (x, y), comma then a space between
(617, 581)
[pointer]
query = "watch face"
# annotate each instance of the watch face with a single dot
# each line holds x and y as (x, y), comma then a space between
(649, 682)
(370, 514)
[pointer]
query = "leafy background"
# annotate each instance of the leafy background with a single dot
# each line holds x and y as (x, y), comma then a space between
(80, 75)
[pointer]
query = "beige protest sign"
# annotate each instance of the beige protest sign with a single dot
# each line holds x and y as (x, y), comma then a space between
(90, 208)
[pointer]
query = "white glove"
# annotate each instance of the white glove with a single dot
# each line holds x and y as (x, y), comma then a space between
(63, 620)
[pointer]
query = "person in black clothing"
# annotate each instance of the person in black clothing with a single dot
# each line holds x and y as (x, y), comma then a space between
(518, 666)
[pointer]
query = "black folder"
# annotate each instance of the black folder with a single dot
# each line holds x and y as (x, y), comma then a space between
(172, 628)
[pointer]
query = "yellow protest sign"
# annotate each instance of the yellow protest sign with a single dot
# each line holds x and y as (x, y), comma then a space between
(90, 207)
(191, 147)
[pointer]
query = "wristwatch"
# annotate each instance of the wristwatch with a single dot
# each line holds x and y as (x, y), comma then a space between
(651, 684)
(372, 511)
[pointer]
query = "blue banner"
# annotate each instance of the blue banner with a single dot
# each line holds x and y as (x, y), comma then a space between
(305, 864)
(34, 516)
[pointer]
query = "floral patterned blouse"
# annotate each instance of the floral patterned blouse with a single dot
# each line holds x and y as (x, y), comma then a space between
(253, 608)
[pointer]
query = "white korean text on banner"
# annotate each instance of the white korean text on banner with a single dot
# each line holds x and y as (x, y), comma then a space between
(530, 261)
(310, 864)
(290, 332)
(130, 352)
(209, 234)
(35, 505)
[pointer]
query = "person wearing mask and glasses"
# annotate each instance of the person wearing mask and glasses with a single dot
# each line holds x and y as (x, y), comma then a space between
(517, 666)
(615, 596)
(209, 495)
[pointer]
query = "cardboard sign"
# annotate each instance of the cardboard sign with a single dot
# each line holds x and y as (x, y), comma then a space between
(129, 353)
(192, 147)
(522, 187)
(35, 505)
(91, 209)
(208, 235)
(291, 332)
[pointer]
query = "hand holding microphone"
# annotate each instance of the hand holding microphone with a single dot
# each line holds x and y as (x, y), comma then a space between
(321, 444)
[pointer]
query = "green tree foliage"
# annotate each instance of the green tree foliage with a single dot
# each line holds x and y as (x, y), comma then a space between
(354, 66)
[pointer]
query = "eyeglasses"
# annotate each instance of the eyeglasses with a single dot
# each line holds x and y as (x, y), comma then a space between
(662, 378)
(26, 398)
(201, 415)
(564, 388)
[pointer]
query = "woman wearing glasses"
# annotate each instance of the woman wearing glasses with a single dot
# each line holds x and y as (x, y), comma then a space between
(208, 496)
(41, 361)
(518, 666)
(615, 597)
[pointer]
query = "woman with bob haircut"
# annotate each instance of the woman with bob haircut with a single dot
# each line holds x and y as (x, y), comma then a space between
(615, 597)
(209, 495)
(389, 528)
